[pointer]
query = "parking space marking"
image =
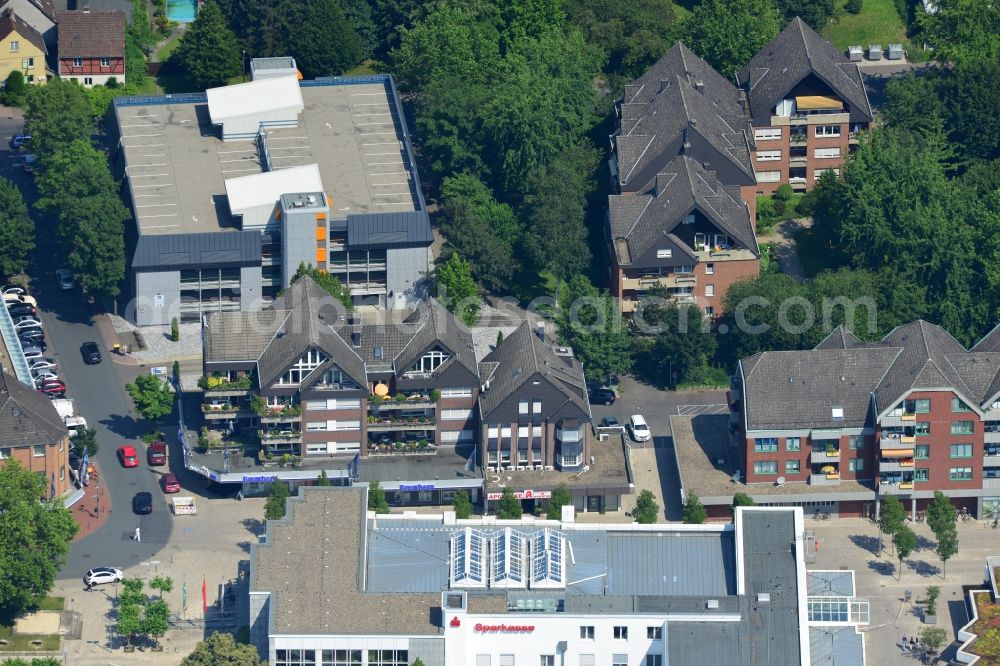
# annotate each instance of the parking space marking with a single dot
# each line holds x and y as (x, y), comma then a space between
(697, 410)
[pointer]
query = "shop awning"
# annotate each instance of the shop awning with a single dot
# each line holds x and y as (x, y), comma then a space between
(817, 103)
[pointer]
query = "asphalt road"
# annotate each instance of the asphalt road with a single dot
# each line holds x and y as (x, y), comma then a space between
(99, 395)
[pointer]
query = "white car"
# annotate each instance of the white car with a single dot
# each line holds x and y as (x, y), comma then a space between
(42, 364)
(638, 429)
(10, 298)
(23, 323)
(101, 575)
(44, 375)
(65, 279)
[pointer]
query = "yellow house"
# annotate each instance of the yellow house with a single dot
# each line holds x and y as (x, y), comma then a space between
(21, 48)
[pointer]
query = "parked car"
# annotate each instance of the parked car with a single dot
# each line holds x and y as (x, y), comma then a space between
(54, 389)
(42, 364)
(602, 396)
(157, 454)
(611, 422)
(638, 429)
(171, 484)
(43, 376)
(65, 279)
(25, 322)
(19, 309)
(101, 575)
(33, 338)
(127, 456)
(31, 350)
(13, 289)
(18, 141)
(142, 503)
(17, 297)
(91, 353)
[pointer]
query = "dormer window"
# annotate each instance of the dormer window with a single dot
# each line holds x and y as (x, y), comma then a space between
(309, 361)
(664, 254)
(430, 362)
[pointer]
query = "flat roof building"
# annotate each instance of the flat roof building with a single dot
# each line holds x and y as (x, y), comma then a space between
(233, 188)
(334, 584)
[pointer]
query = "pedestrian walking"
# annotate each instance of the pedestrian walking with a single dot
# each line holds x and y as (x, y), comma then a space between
(239, 496)
(137, 538)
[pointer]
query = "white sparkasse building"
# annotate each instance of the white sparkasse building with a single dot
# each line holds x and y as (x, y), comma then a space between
(336, 585)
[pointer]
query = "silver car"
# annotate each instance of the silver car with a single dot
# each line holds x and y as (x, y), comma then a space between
(101, 575)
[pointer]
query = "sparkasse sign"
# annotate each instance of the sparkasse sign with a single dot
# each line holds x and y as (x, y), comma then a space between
(504, 628)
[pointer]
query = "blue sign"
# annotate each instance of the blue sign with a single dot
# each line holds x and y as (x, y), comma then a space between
(415, 487)
(260, 479)
(354, 468)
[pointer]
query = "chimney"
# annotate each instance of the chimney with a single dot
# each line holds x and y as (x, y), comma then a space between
(664, 84)
(699, 86)
(355, 322)
(540, 330)
(86, 9)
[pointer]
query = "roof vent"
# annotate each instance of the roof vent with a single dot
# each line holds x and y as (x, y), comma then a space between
(712, 604)
(311, 199)
(355, 339)
(563, 351)
(763, 598)
(699, 86)
(297, 203)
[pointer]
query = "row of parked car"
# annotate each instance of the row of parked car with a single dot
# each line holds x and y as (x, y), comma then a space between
(23, 310)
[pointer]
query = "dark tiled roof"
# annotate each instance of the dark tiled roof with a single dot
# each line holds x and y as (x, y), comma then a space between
(9, 22)
(44, 6)
(27, 417)
(91, 34)
(519, 357)
(990, 342)
(840, 338)
(797, 389)
(787, 59)
(681, 61)
(980, 370)
(682, 186)
(650, 130)
(241, 335)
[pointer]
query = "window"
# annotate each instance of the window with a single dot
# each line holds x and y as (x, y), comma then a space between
(456, 414)
(837, 412)
(709, 269)
(856, 464)
(961, 451)
(316, 426)
(295, 657)
(922, 429)
(621, 633)
(765, 467)
(482, 660)
(27, 63)
(769, 155)
(522, 407)
(315, 405)
(709, 311)
(62, 472)
(341, 657)
(765, 444)
(464, 392)
(430, 362)
(709, 290)
(856, 442)
(105, 62)
(4, 454)
(957, 405)
(793, 444)
(922, 406)
(962, 427)
(587, 633)
(619, 660)
(333, 425)
(828, 130)
(921, 474)
(588, 660)
(388, 658)
(536, 407)
(506, 660)
(922, 452)
(793, 467)
(827, 153)
(335, 378)
(14, 46)
(38, 450)
(960, 474)
(818, 173)
(767, 134)
(78, 62)
(768, 176)
(654, 660)
(664, 254)
(654, 633)
(309, 361)
(457, 436)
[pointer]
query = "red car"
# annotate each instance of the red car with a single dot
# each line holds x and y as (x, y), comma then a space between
(170, 484)
(157, 454)
(128, 456)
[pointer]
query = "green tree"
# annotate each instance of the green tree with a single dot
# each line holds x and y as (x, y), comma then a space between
(328, 282)
(17, 230)
(56, 115)
(905, 542)
(646, 511)
(34, 538)
(941, 513)
(92, 231)
(175, 330)
(14, 89)
(741, 499)
(456, 288)
(509, 507)
(962, 31)
(462, 505)
(589, 322)
(85, 441)
(947, 547)
(634, 34)
(359, 15)
(274, 507)
(892, 516)
(209, 51)
(560, 498)
(376, 498)
(129, 621)
(681, 350)
(727, 33)
(156, 619)
(162, 584)
(152, 397)
(814, 12)
(418, 662)
(321, 38)
(323, 481)
(933, 593)
(934, 638)
(221, 649)
(694, 510)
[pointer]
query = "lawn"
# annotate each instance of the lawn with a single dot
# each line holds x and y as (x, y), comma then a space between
(22, 642)
(367, 67)
(987, 630)
(52, 604)
(683, 8)
(878, 23)
(168, 47)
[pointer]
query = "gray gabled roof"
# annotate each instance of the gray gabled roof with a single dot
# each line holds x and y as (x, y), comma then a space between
(438, 327)
(791, 56)
(651, 128)
(798, 389)
(682, 61)
(682, 186)
(840, 338)
(26, 416)
(386, 230)
(240, 335)
(519, 357)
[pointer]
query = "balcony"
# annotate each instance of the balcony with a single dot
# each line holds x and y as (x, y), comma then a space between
(388, 424)
(282, 416)
(898, 420)
(798, 160)
(222, 386)
(402, 448)
(810, 119)
(991, 458)
(644, 283)
(824, 479)
(223, 413)
(629, 305)
(895, 465)
(895, 483)
(897, 443)
(714, 254)
(412, 401)
(991, 437)
(824, 454)
(279, 436)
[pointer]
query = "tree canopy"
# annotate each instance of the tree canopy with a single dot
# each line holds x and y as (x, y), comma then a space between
(962, 31)
(727, 33)
(330, 283)
(221, 649)
(17, 230)
(509, 507)
(560, 498)
(456, 288)
(694, 510)
(376, 498)
(274, 507)
(590, 323)
(462, 505)
(646, 511)
(152, 397)
(56, 115)
(209, 51)
(34, 538)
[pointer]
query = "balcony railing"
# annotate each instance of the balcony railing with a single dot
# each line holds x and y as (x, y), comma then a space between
(376, 424)
(822, 454)
(222, 386)
(643, 283)
(991, 459)
(274, 436)
(824, 479)
(991, 437)
(896, 443)
(411, 401)
(895, 464)
(420, 447)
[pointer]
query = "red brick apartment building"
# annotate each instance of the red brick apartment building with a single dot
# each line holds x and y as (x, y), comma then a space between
(683, 203)
(91, 46)
(849, 422)
(32, 433)
(807, 102)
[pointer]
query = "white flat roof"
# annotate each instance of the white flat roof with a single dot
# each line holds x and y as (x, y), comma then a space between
(262, 189)
(254, 97)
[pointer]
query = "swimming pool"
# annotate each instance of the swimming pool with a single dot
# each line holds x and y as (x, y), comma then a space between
(182, 11)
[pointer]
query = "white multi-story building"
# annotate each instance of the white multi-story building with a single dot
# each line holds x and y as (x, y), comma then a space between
(334, 585)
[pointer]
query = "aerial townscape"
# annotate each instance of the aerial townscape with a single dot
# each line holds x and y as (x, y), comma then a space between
(499, 332)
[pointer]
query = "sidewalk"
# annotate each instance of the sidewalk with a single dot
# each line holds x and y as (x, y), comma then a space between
(92, 511)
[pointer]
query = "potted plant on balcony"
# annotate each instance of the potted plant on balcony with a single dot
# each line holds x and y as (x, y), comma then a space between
(400, 397)
(832, 450)
(435, 395)
(422, 444)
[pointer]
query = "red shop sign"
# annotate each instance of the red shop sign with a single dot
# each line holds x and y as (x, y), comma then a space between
(504, 628)
(523, 494)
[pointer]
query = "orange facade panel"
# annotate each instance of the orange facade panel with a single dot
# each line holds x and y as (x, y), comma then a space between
(320, 216)
(320, 255)
(320, 233)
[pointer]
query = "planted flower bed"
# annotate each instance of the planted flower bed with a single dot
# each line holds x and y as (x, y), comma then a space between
(987, 630)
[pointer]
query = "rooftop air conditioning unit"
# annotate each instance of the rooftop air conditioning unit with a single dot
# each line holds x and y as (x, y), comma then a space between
(297, 203)
(712, 604)
(311, 199)
(763, 598)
